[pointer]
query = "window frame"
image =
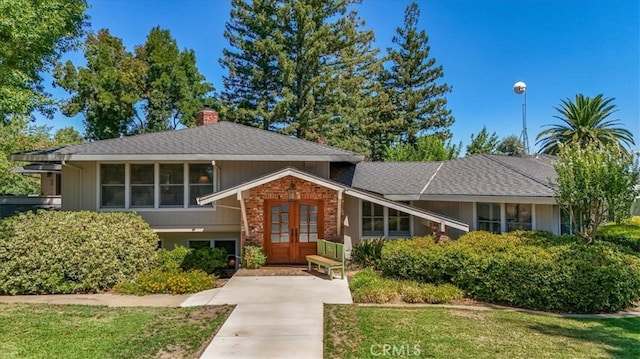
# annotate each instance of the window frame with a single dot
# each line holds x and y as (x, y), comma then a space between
(127, 206)
(518, 224)
(386, 230)
(491, 222)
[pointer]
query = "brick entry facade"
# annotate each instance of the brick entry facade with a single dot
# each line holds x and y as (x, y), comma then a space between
(277, 190)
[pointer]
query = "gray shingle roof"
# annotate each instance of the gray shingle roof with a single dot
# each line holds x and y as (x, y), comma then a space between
(478, 175)
(223, 140)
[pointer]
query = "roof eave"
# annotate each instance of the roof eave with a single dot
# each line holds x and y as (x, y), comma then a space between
(542, 199)
(56, 157)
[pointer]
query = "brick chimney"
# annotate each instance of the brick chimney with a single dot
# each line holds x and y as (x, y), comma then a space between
(206, 116)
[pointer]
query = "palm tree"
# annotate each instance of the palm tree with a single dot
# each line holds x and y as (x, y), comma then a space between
(585, 121)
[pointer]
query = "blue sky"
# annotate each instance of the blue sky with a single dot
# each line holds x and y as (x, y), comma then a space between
(559, 48)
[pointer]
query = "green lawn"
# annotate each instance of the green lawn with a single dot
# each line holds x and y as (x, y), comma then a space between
(80, 331)
(363, 332)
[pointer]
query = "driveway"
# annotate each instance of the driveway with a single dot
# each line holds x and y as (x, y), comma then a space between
(275, 317)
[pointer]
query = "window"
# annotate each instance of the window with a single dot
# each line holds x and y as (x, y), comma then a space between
(518, 216)
(489, 217)
(142, 186)
(372, 219)
(200, 181)
(171, 185)
(197, 244)
(153, 185)
(112, 185)
(399, 223)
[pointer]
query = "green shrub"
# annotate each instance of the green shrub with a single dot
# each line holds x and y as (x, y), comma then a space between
(171, 259)
(368, 252)
(157, 281)
(253, 257)
(209, 260)
(72, 252)
(367, 286)
(625, 234)
(523, 269)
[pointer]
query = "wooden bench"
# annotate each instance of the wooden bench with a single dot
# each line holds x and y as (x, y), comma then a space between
(330, 255)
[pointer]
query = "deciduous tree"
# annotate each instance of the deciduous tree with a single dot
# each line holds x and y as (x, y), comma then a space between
(595, 183)
(33, 35)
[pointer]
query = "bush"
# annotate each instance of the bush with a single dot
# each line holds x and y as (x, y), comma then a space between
(367, 286)
(209, 260)
(72, 252)
(529, 270)
(253, 257)
(368, 252)
(625, 234)
(158, 281)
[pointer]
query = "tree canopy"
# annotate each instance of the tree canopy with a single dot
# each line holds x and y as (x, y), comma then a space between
(595, 183)
(585, 121)
(414, 83)
(427, 148)
(33, 35)
(121, 93)
(483, 142)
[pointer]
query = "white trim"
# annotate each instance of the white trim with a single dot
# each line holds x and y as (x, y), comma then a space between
(178, 230)
(503, 218)
(431, 179)
(243, 212)
(472, 198)
(534, 219)
(290, 171)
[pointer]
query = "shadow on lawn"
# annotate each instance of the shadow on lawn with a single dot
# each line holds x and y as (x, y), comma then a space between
(620, 336)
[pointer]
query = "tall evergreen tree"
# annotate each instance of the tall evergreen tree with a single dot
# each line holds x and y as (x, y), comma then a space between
(304, 68)
(413, 80)
(351, 97)
(483, 142)
(253, 82)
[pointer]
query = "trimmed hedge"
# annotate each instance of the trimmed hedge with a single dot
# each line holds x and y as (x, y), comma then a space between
(523, 269)
(72, 252)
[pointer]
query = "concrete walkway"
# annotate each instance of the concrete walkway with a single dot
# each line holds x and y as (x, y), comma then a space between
(108, 299)
(275, 317)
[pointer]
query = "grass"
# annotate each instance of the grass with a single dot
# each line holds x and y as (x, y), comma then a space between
(363, 332)
(80, 331)
(367, 286)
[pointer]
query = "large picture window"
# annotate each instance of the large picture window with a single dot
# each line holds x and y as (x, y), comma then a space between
(518, 216)
(155, 185)
(489, 217)
(112, 185)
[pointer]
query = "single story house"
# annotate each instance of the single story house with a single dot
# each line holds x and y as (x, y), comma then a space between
(221, 184)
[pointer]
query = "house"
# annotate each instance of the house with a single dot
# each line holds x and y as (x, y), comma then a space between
(222, 184)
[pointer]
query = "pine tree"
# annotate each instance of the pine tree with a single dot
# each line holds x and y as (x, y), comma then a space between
(253, 82)
(352, 98)
(413, 78)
